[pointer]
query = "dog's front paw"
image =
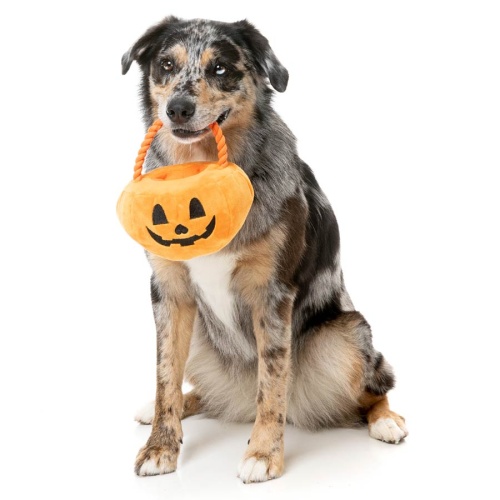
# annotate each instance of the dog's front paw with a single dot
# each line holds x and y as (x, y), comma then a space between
(258, 467)
(154, 460)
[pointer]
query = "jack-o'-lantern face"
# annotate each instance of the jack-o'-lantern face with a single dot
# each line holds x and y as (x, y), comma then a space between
(194, 229)
(180, 212)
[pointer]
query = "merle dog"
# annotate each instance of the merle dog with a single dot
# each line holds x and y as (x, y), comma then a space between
(264, 330)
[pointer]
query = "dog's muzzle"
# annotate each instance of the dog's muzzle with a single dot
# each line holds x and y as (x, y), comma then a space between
(187, 134)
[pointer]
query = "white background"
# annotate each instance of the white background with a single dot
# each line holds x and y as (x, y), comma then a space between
(396, 107)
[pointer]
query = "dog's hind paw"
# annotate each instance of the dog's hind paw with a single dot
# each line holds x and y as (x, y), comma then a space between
(389, 430)
(146, 414)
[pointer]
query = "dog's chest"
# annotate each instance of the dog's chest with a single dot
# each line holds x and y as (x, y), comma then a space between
(212, 276)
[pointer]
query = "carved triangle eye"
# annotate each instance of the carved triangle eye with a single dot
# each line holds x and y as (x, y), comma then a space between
(159, 216)
(196, 209)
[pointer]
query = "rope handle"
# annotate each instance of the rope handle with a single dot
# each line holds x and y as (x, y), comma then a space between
(220, 140)
(153, 130)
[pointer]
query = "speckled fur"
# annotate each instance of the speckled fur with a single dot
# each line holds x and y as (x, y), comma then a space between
(296, 349)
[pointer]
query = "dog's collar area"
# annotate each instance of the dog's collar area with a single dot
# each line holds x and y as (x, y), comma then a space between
(181, 132)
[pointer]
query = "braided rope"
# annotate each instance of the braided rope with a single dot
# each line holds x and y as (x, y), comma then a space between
(221, 143)
(153, 130)
(150, 135)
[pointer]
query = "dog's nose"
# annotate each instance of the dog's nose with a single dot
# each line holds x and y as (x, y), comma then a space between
(180, 229)
(180, 110)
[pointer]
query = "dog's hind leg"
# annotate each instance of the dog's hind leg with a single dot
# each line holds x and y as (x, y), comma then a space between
(340, 380)
(383, 424)
(191, 406)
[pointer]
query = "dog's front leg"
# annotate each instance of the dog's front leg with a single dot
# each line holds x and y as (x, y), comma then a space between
(174, 311)
(264, 457)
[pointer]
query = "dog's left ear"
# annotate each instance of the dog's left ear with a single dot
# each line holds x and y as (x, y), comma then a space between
(264, 58)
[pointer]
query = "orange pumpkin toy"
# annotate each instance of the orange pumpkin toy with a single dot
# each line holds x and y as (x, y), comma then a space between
(183, 211)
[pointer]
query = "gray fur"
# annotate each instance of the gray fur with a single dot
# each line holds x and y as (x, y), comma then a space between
(328, 337)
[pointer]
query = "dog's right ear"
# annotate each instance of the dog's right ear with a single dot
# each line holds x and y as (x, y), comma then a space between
(265, 59)
(141, 50)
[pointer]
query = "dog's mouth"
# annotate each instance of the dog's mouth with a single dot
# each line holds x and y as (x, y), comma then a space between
(183, 133)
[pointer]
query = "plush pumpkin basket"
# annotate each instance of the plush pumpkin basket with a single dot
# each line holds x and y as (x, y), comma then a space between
(183, 211)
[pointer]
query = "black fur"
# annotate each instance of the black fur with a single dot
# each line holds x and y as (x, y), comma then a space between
(286, 192)
(268, 139)
(155, 292)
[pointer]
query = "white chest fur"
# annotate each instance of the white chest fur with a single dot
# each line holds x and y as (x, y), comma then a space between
(212, 275)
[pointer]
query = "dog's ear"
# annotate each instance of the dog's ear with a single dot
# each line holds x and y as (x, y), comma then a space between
(141, 50)
(264, 58)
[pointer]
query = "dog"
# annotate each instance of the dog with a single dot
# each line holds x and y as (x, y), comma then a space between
(264, 329)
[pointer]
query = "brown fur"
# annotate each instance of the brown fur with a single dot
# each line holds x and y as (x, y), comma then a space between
(175, 276)
(330, 354)
(252, 275)
(207, 56)
(323, 377)
(174, 336)
(255, 266)
(242, 103)
(266, 441)
(159, 93)
(192, 405)
(380, 409)
(179, 54)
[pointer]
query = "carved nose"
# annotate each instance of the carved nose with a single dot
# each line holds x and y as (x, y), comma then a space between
(180, 110)
(180, 229)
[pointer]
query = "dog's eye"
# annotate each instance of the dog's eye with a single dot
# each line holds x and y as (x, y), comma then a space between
(167, 65)
(219, 69)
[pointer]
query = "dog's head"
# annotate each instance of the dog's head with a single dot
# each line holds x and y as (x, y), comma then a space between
(197, 72)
